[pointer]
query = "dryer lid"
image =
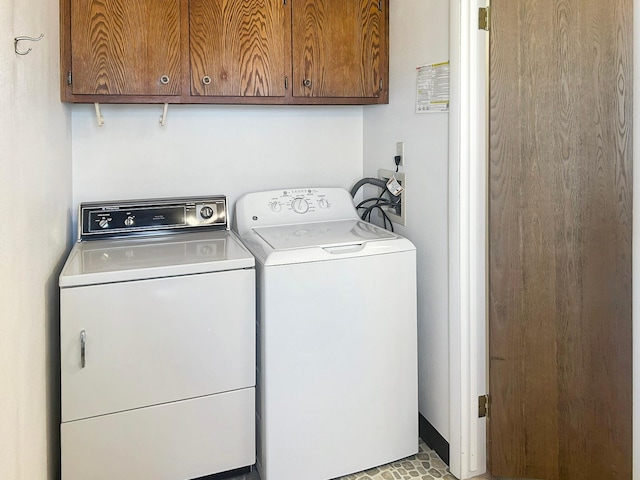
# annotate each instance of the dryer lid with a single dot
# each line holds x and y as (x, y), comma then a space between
(142, 258)
(321, 234)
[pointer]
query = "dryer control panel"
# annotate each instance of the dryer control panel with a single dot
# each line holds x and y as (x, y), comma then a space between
(138, 217)
(292, 206)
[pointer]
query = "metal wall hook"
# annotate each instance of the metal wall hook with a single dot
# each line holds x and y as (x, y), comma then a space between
(98, 114)
(28, 39)
(163, 117)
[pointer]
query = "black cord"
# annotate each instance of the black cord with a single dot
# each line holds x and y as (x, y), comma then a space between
(392, 202)
(367, 213)
(376, 203)
(385, 218)
(373, 199)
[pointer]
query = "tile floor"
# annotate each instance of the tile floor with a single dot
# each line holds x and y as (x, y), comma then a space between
(425, 465)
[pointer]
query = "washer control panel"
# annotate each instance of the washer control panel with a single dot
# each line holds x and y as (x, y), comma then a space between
(291, 206)
(126, 218)
(300, 201)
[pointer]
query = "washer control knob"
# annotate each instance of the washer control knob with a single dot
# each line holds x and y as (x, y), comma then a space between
(104, 222)
(300, 205)
(323, 203)
(129, 221)
(206, 212)
(275, 206)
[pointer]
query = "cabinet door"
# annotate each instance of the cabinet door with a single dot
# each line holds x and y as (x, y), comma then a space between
(125, 47)
(337, 48)
(237, 47)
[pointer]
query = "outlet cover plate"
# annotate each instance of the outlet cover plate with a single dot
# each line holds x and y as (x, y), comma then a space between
(400, 152)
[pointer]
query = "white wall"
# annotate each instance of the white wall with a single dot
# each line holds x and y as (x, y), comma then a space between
(35, 202)
(419, 34)
(211, 149)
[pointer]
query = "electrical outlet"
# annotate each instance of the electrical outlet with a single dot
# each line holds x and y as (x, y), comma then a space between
(396, 214)
(400, 152)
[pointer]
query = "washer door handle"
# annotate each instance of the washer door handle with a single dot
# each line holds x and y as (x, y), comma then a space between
(342, 249)
(83, 349)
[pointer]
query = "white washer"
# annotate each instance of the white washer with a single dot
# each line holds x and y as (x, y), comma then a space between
(157, 338)
(337, 355)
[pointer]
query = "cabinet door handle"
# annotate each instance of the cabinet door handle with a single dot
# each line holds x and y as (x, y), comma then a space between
(306, 82)
(83, 349)
(164, 79)
(206, 80)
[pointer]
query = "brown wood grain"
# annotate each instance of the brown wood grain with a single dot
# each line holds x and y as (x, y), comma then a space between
(239, 45)
(560, 239)
(337, 48)
(121, 47)
(245, 48)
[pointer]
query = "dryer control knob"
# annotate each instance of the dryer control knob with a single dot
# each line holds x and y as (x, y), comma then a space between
(323, 203)
(300, 205)
(129, 221)
(104, 222)
(275, 206)
(206, 212)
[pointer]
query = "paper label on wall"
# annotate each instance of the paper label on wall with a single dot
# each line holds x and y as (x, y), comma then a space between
(432, 88)
(394, 186)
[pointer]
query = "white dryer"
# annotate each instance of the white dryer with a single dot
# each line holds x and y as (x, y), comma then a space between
(157, 340)
(337, 354)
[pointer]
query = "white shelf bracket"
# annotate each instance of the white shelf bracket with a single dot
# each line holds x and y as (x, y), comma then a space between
(163, 117)
(98, 114)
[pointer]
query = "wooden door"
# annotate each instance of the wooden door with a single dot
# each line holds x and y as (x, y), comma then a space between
(337, 49)
(124, 47)
(237, 48)
(560, 214)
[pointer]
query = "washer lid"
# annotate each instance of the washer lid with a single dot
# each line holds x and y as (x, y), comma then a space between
(321, 234)
(127, 259)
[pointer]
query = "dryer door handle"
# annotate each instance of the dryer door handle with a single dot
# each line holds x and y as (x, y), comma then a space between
(343, 249)
(83, 349)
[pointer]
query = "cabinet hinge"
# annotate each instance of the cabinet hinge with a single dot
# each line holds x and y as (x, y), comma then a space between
(286, 83)
(69, 78)
(285, 2)
(484, 18)
(381, 84)
(483, 406)
(380, 5)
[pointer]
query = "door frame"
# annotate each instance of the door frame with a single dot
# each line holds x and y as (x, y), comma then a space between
(467, 238)
(635, 244)
(468, 353)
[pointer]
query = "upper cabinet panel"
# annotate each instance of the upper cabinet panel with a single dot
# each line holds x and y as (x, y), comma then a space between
(338, 48)
(125, 47)
(298, 52)
(237, 48)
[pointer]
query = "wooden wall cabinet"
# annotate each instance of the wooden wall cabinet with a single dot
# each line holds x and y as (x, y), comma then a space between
(339, 48)
(121, 48)
(225, 51)
(237, 48)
